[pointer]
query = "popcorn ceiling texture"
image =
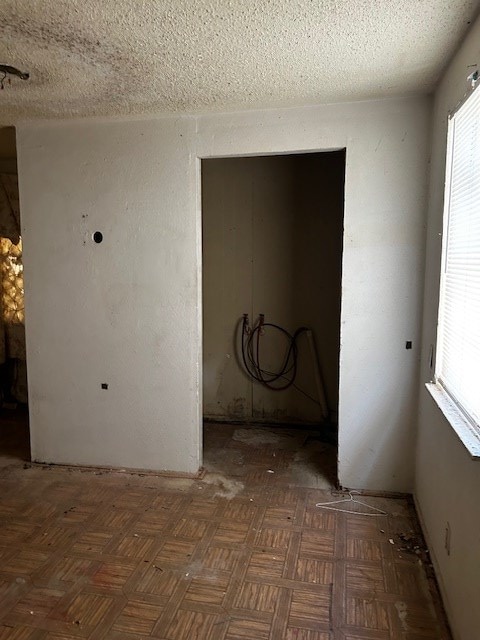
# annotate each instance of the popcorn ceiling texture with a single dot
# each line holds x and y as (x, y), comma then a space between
(92, 57)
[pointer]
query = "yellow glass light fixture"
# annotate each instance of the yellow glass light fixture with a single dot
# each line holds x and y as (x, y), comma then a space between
(13, 310)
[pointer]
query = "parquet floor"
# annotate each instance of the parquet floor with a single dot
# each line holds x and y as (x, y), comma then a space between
(240, 554)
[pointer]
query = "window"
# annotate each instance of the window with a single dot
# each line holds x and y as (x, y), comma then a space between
(457, 368)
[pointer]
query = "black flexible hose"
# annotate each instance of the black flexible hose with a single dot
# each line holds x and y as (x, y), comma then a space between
(251, 355)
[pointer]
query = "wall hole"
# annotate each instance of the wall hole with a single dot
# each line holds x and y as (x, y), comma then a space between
(97, 237)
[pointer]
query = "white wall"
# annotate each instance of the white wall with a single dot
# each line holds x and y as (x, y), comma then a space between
(127, 312)
(122, 312)
(447, 480)
(272, 244)
(385, 189)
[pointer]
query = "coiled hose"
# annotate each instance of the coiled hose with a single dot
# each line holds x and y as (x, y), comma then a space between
(274, 380)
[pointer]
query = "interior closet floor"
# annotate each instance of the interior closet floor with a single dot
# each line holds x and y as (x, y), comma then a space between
(296, 456)
(238, 554)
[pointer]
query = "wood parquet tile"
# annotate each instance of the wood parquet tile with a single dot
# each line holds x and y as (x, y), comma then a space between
(242, 554)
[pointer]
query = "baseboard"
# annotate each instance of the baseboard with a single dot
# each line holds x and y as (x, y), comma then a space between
(163, 473)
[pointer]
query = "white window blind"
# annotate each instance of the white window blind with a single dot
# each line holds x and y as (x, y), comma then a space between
(458, 340)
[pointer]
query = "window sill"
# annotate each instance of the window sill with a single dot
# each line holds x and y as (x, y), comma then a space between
(467, 434)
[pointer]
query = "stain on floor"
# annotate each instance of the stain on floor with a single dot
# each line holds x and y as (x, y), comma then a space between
(295, 455)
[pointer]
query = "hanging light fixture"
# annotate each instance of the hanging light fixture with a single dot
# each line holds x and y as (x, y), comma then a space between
(8, 71)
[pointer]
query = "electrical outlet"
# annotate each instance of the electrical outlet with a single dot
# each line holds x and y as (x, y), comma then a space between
(448, 538)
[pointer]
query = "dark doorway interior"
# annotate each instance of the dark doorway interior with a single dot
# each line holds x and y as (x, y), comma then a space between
(272, 251)
(14, 433)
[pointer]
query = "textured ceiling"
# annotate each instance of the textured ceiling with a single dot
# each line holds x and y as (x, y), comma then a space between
(111, 57)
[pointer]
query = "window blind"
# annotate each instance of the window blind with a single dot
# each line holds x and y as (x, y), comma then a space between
(458, 339)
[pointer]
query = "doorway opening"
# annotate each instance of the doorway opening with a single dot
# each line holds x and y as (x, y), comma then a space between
(14, 430)
(272, 266)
